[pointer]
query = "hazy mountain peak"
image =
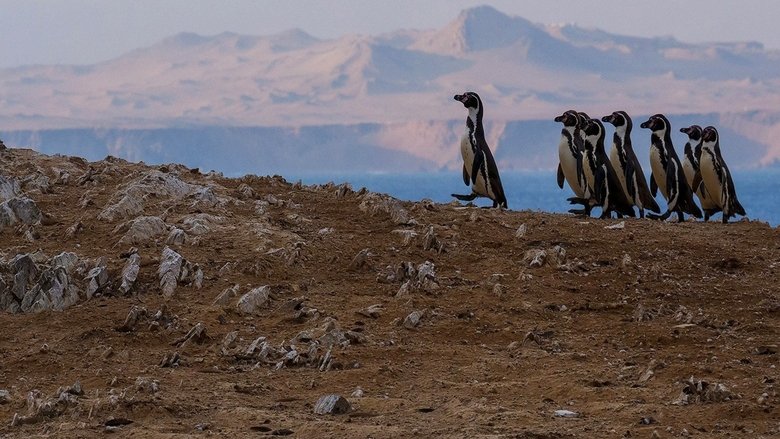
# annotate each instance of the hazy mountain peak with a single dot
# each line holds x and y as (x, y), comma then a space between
(480, 28)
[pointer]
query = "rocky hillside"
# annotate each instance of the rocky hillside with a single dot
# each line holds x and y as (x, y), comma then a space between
(165, 302)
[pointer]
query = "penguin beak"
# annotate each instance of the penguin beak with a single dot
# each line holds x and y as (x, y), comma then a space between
(610, 118)
(646, 124)
(560, 118)
(460, 98)
(685, 130)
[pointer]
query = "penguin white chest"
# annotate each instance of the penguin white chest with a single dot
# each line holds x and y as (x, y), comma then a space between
(467, 152)
(569, 166)
(711, 179)
(617, 165)
(688, 170)
(659, 172)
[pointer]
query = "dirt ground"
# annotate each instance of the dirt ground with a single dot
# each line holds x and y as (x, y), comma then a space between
(645, 329)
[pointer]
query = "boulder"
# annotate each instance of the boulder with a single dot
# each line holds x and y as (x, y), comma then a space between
(253, 301)
(130, 273)
(169, 271)
(141, 230)
(332, 405)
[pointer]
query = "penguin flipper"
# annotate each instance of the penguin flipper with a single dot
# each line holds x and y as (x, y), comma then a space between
(561, 177)
(629, 174)
(601, 180)
(697, 182)
(466, 179)
(476, 166)
(653, 185)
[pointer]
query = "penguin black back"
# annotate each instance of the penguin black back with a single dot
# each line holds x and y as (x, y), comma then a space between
(668, 172)
(479, 167)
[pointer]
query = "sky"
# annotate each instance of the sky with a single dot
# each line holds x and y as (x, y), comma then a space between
(89, 31)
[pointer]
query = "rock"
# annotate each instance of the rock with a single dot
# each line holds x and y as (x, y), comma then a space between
(253, 301)
(245, 191)
(171, 359)
(127, 206)
(169, 271)
(426, 276)
(130, 273)
(702, 392)
(360, 260)
(146, 384)
(141, 230)
(176, 237)
(74, 230)
(374, 203)
(25, 273)
(565, 414)
(97, 278)
(431, 242)
(413, 319)
(19, 210)
(357, 393)
(5, 396)
(618, 226)
(332, 405)
(226, 297)
(229, 343)
(9, 188)
(535, 258)
(196, 334)
(66, 260)
(406, 235)
(133, 317)
(521, 231)
(373, 311)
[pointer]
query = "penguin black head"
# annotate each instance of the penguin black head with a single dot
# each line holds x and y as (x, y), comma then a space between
(593, 128)
(694, 132)
(657, 122)
(470, 100)
(710, 134)
(617, 118)
(582, 119)
(569, 118)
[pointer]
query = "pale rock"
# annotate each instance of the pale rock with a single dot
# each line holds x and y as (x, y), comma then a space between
(96, 279)
(130, 273)
(66, 260)
(9, 188)
(176, 237)
(253, 301)
(413, 319)
(617, 226)
(521, 231)
(19, 210)
(5, 396)
(226, 297)
(332, 405)
(565, 414)
(432, 242)
(141, 230)
(535, 258)
(169, 271)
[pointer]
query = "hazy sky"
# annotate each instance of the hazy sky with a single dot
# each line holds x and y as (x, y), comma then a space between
(87, 31)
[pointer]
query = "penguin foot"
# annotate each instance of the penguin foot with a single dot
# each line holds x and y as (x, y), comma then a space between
(577, 200)
(469, 197)
(584, 212)
(663, 217)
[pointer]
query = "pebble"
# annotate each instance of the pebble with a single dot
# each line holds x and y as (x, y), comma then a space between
(413, 319)
(566, 414)
(332, 405)
(5, 396)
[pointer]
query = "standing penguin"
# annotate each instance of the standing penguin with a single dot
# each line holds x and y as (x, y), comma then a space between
(668, 174)
(715, 176)
(690, 163)
(570, 156)
(479, 168)
(627, 166)
(599, 174)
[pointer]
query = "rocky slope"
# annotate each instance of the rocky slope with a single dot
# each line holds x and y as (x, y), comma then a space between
(165, 302)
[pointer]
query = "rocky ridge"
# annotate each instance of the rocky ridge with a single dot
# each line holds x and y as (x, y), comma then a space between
(182, 302)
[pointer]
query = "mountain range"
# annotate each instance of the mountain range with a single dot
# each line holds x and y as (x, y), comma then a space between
(291, 101)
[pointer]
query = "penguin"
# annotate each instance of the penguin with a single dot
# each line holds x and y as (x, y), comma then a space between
(668, 174)
(600, 176)
(479, 168)
(570, 160)
(715, 176)
(627, 166)
(690, 163)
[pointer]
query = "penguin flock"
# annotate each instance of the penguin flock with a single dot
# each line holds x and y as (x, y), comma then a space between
(614, 182)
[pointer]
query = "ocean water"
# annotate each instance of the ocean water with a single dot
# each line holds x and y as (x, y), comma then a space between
(758, 190)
